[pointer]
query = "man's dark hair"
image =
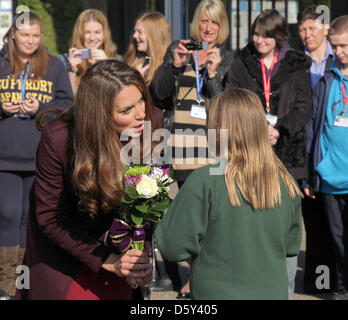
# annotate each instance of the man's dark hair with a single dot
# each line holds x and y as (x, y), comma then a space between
(308, 13)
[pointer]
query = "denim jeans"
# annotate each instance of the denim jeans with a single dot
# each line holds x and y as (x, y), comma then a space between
(291, 266)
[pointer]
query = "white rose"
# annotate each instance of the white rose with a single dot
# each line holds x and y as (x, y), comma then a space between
(147, 187)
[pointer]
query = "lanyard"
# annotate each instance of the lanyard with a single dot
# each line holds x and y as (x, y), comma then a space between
(267, 82)
(199, 81)
(345, 98)
(24, 80)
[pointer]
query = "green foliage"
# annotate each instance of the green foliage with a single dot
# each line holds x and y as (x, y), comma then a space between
(138, 170)
(58, 19)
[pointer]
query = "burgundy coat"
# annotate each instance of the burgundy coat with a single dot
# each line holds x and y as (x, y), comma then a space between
(63, 255)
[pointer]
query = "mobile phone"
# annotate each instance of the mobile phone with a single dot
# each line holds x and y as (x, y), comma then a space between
(197, 45)
(85, 53)
(146, 61)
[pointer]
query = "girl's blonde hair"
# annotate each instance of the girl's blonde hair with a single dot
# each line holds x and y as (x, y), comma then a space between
(252, 166)
(157, 32)
(216, 11)
(78, 38)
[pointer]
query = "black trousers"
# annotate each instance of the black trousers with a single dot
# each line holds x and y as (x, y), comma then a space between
(336, 208)
(319, 244)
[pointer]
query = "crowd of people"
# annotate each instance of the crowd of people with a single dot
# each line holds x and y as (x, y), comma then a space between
(279, 105)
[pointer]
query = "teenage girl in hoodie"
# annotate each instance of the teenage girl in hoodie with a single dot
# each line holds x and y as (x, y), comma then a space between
(31, 80)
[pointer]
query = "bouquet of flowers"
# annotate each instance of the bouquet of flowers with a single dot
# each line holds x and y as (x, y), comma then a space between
(146, 197)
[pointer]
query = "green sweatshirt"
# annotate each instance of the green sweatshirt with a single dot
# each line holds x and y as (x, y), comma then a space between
(235, 252)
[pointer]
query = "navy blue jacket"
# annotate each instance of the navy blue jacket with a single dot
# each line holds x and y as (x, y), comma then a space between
(19, 137)
(315, 128)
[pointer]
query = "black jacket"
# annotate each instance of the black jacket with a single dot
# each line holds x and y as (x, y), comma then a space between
(163, 85)
(291, 100)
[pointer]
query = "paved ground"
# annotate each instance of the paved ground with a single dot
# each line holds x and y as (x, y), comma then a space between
(299, 294)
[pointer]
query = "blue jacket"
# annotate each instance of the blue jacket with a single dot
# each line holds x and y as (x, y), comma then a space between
(315, 128)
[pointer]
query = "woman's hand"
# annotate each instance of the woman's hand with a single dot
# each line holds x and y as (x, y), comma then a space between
(273, 134)
(309, 192)
(10, 107)
(181, 54)
(29, 106)
(133, 264)
(213, 61)
(142, 70)
(98, 54)
(74, 59)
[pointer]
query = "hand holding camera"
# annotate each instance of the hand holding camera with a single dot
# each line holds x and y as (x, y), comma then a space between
(74, 59)
(180, 54)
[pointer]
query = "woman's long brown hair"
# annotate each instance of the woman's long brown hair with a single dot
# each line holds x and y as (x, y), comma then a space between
(252, 165)
(38, 61)
(95, 162)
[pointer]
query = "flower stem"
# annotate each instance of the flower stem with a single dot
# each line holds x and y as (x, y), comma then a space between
(138, 246)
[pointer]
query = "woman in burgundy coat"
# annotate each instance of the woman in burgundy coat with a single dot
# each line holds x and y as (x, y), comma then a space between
(77, 184)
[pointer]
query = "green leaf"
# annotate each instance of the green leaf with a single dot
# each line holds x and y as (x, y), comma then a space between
(136, 219)
(154, 219)
(162, 205)
(132, 192)
(156, 213)
(123, 215)
(142, 208)
(138, 170)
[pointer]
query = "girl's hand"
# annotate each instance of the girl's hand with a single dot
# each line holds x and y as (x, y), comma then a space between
(29, 106)
(98, 54)
(273, 134)
(74, 59)
(10, 107)
(142, 70)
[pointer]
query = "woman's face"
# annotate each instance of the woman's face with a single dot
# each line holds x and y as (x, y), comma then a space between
(264, 45)
(94, 35)
(208, 29)
(27, 40)
(139, 37)
(129, 113)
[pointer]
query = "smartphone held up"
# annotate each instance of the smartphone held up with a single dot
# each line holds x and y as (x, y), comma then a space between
(146, 61)
(84, 53)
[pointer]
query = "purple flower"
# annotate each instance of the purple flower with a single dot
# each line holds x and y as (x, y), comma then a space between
(138, 179)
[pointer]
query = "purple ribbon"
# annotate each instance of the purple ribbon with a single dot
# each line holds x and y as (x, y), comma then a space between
(121, 235)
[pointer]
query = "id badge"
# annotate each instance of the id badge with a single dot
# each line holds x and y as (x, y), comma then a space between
(271, 118)
(341, 122)
(198, 111)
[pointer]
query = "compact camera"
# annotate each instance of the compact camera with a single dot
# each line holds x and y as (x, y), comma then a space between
(197, 45)
(85, 54)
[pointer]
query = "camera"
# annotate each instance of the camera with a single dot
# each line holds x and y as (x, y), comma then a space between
(197, 45)
(85, 54)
